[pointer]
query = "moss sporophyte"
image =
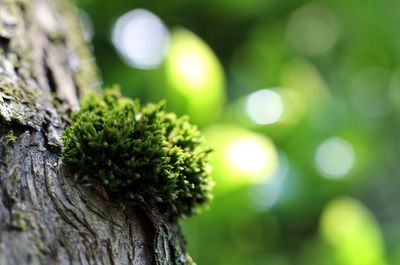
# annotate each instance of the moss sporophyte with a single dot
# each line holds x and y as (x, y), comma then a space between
(139, 154)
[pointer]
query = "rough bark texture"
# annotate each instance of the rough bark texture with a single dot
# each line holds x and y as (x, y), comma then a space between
(46, 218)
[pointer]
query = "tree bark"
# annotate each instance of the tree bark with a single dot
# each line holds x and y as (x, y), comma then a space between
(46, 218)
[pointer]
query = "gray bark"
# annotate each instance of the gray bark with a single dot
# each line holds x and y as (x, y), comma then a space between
(46, 218)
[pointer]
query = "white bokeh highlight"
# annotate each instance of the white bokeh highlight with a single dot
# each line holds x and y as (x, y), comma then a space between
(141, 39)
(334, 158)
(264, 106)
(248, 155)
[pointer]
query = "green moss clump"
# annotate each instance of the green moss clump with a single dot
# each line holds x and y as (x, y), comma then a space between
(18, 220)
(140, 155)
(10, 137)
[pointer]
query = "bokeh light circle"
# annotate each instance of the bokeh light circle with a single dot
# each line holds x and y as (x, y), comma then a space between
(264, 106)
(141, 39)
(334, 158)
(313, 29)
(240, 157)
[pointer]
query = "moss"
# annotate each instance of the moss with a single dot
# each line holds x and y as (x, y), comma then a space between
(23, 94)
(140, 155)
(10, 137)
(18, 220)
(189, 260)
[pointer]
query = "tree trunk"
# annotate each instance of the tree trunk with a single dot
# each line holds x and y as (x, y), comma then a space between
(46, 218)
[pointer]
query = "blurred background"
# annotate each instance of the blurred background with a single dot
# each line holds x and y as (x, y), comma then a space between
(301, 102)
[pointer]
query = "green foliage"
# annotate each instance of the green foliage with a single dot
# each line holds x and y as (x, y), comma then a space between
(140, 155)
